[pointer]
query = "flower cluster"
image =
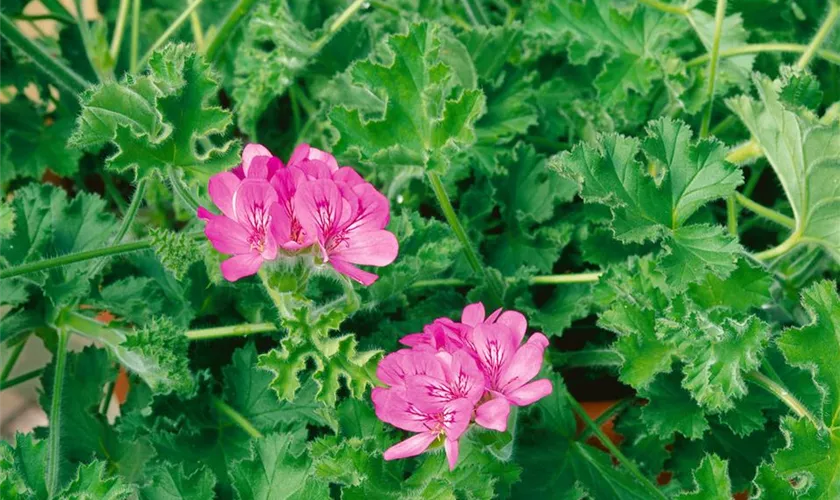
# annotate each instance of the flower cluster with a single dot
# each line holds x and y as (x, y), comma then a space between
(455, 372)
(269, 209)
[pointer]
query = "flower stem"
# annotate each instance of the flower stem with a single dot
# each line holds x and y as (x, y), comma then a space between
(128, 219)
(181, 190)
(784, 396)
(279, 299)
(581, 413)
(714, 56)
(176, 24)
(230, 331)
(605, 417)
(339, 23)
(757, 48)
(732, 215)
(822, 34)
(744, 153)
(5, 384)
(63, 76)
(551, 279)
(237, 418)
(53, 443)
(781, 249)
(765, 212)
(461, 234)
(135, 36)
(665, 7)
(119, 30)
(10, 363)
(228, 26)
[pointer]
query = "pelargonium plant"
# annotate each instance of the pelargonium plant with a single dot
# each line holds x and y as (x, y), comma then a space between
(287, 249)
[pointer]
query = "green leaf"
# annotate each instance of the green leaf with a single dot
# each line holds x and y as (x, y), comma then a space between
(800, 89)
(172, 482)
(277, 468)
(176, 251)
(419, 125)
(490, 48)
(804, 154)
(156, 120)
(158, 354)
(92, 482)
(746, 288)
(811, 459)
(134, 299)
(711, 481)
(567, 304)
(770, 485)
(655, 202)
(23, 469)
(47, 224)
(732, 71)
(671, 409)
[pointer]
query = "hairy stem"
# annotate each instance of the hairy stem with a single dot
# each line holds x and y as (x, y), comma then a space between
(279, 299)
(230, 331)
(197, 30)
(84, 31)
(181, 189)
(665, 7)
(135, 36)
(784, 396)
(339, 23)
(52, 16)
(53, 441)
(9, 364)
(176, 24)
(61, 75)
(461, 234)
(128, 219)
(113, 193)
(119, 30)
(732, 215)
(106, 401)
(5, 384)
(783, 248)
(605, 417)
(228, 26)
(767, 213)
(551, 279)
(758, 48)
(822, 34)
(744, 153)
(720, 15)
(581, 413)
(237, 418)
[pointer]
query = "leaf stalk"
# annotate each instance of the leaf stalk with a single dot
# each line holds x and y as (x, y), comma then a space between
(54, 439)
(164, 37)
(784, 396)
(822, 34)
(6, 384)
(767, 213)
(228, 26)
(230, 331)
(237, 418)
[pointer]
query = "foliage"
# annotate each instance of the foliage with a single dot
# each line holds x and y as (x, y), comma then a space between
(668, 223)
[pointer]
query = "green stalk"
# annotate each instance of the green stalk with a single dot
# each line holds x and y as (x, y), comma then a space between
(765, 212)
(229, 25)
(63, 76)
(461, 234)
(551, 279)
(45, 17)
(744, 153)
(783, 248)
(135, 36)
(784, 396)
(720, 14)
(164, 37)
(6, 384)
(581, 413)
(106, 401)
(84, 30)
(231, 331)
(237, 418)
(757, 48)
(665, 7)
(339, 23)
(54, 438)
(114, 193)
(130, 215)
(119, 30)
(731, 215)
(605, 417)
(822, 34)
(181, 190)
(197, 30)
(279, 299)
(10, 363)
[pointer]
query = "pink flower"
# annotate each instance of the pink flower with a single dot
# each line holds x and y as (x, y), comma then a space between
(431, 394)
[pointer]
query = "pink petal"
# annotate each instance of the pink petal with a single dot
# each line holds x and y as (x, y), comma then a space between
(251, 196)
(428, 394)
(495, 346)
(258, 168)
(413, 339)
(524, 365)
(348, 175)
(227, 236)
(374, 210)
(240, 266)
(463, 373)
(318, 205)
(306, 152)
(353, 272)
(221, 188)
(392, 407)
(314, 169)
(372, 248)
(473, 314)
(493, 414)
(204, 214)
(457, 416)
(395, 367)
(250, 152)
(493, 316)
(530, 393)
(516, 321)
(411, 447)
(452, 449)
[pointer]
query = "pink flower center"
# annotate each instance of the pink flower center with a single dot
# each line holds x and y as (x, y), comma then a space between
(259, 220)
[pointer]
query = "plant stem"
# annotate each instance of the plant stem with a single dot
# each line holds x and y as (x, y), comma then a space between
(822, 34)
(176, 24)
(119, 30)
(461, 234)
(339, 23)
(276, 297)
(581, 413)
(240, 10)
(53, 442)
(744, 153)
(605, 417)
(9, 364)
(551, 279)
(237, 418)
(45, 17)
(230, 331)
(781, 249)
(106, 401)
(197, 30)
(84, 31)
(720, 14)
(732, 215)
(128, 219)
(181, 190)
(784, 396)
(665, 7)
(765, 212)
(63, 76)
(757, 48)
(6, 384)
(114, 193)
(135, 36)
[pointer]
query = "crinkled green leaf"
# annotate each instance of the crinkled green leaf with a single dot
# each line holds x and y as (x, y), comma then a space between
(711, 481)
(156, 120)
(176, 251)
(770, 485)
(134, 299)
(747, 287)
(93, 482)
(419, 125)
(278, 467)
(23, 469)
(671, 409)
(804, 153)
(169, 481)
(157, 352)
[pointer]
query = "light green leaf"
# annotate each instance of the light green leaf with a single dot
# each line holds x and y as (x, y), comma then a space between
(168, 481)
(158, 354)
(805, 154)
(733, 70)
(747, 287)
(23, 469)
(156, 120)
(92, 482)
(176, 251)
(711, 481)
(770, 486)
(278, 467)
